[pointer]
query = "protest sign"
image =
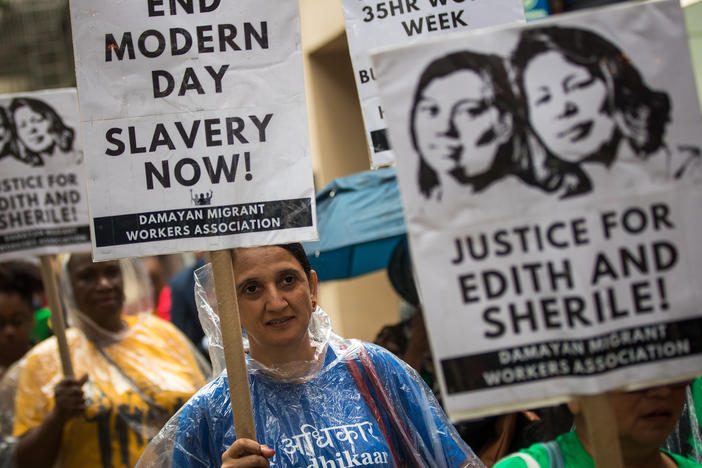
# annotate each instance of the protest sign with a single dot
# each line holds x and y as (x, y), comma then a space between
(373, 23)
(551, 172)
(43, 208)
(195, 125)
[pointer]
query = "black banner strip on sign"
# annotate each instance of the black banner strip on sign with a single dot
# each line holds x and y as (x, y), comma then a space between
(579, 357)
(203, 221)
(379, 138)
(35, 238)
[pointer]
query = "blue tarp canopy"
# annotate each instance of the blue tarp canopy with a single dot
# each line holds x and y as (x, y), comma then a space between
(360, 221)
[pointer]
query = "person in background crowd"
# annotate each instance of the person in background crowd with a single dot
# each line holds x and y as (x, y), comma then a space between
(407, 339)
(644, 419)
(17, 287)
(16, 322)
(183, 311)
(132, 373)
(157, 276)
(20, 294)
(490, 437)
(318, 400)
(28, 270)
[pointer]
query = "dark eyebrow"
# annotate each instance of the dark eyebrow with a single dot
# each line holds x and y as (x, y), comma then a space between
(482, 103)
(289, 271)
(283, 272)
(470, 100)
(568, 79)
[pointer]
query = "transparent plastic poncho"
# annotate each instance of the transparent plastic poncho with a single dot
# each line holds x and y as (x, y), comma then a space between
(137, 378)
(686, 438)
(353, 404)
(8, 389)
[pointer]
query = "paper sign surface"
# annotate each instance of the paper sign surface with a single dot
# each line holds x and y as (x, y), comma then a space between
(551, 173)
(43, 207)
(195, 124)
(372, 24)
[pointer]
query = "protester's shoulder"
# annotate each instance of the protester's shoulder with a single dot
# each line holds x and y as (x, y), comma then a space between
(157, 324)
(153, 325)
(567, 444)
(386, 362)
(683, 462)
(378, 352)
(697, 390)
(525, 458)
(46, 350)
(8, 382)
(515, 460)
(42, 364)
(212, 397)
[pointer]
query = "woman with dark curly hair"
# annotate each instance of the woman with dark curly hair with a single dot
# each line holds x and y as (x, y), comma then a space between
(587, 103)
(40, 131)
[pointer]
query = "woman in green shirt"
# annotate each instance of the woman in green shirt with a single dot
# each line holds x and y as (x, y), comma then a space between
(644, 420)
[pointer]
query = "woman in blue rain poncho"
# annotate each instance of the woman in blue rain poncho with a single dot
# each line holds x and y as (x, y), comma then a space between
(318, 400)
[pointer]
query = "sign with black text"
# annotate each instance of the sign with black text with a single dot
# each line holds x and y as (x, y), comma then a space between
(552, 173)
(377, 23)
(43, 208)
(195, 124)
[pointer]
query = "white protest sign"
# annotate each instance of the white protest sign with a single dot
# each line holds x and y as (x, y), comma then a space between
(195, 124)
(551, 173)
(371, 24)
(43, 207)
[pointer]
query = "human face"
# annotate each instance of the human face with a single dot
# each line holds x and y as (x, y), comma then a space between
(16, 320)
(98, 290)
(646, 417)
(33, 129)
(275, 303)
(456, 124)
(567, 107)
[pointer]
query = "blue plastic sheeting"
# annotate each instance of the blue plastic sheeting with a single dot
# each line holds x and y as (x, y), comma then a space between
(360, 221)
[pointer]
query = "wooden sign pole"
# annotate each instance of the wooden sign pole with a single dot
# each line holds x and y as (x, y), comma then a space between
(602, 431)
(228, 310)
(48, 275)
